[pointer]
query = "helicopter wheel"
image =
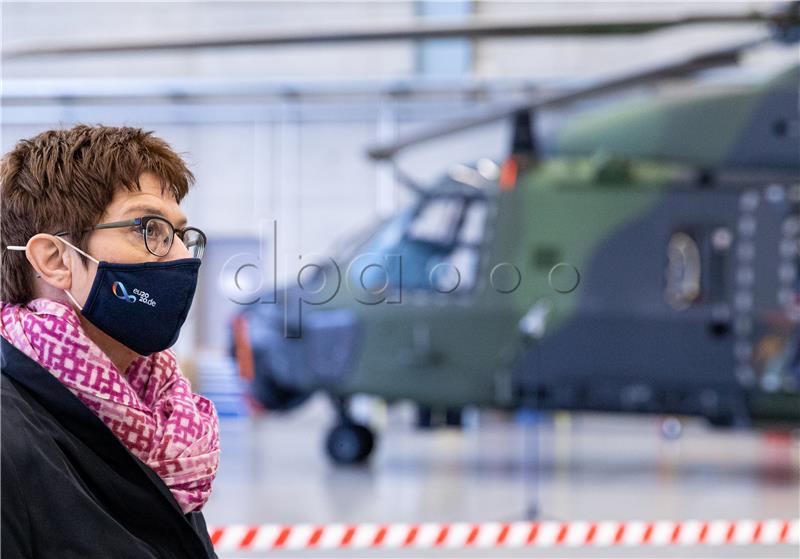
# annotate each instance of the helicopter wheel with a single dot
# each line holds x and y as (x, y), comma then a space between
(349, 444)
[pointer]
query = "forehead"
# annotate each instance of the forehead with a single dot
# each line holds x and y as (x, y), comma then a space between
(151, 184)
(150, 198)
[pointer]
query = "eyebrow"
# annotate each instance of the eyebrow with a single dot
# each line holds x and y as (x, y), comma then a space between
(142, 209)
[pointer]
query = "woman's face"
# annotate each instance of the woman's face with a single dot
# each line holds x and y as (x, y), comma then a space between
(125, 245)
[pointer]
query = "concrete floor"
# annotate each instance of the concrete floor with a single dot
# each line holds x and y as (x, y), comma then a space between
(589, 467)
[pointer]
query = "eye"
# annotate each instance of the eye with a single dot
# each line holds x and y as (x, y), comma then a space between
(156, 230)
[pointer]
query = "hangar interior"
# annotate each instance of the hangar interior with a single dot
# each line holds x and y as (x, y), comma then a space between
(277, 136)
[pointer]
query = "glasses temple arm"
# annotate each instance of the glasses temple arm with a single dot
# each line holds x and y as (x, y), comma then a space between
(113, 224)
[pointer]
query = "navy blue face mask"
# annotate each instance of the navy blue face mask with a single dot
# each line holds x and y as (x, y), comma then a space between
(143, 305)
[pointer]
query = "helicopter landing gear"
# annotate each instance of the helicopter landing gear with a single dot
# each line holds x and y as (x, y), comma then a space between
(424, 417)
(348, 443)
(429, 418)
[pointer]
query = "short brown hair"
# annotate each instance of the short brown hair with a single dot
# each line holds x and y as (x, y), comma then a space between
(63, 180)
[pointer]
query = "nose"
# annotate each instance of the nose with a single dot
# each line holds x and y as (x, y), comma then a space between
(178, 250)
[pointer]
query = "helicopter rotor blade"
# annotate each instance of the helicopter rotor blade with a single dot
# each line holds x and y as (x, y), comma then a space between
(682, 67)
(413, 31)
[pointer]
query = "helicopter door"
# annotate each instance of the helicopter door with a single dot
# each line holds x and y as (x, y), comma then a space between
(652, 329)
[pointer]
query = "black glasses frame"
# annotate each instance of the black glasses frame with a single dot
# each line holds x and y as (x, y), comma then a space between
(142, 222)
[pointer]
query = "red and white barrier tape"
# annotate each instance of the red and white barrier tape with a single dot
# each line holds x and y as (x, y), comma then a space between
(503, 535)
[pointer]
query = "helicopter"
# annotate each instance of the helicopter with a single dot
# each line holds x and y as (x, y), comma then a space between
(649, 263)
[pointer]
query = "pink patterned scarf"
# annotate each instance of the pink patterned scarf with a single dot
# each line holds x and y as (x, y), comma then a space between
(151, 408)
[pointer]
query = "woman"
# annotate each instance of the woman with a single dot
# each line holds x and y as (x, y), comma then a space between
(106, 452)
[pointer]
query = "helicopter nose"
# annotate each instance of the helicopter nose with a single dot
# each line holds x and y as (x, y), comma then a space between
(330, 341)
(292, 360)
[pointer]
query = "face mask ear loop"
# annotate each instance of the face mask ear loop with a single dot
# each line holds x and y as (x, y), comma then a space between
(87, 256)
(92, 258)
(71, 298)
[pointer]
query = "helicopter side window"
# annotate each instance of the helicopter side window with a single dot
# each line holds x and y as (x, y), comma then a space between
(683, 271)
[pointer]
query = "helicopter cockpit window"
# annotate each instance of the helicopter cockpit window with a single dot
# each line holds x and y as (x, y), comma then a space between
(445, 230)
(437, 220)
(474, 223)
(683, 271)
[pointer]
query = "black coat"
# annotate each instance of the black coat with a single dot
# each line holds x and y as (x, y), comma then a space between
(71, 489)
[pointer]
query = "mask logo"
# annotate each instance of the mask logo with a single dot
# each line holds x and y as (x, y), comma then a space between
(144, 297)
(121, 293)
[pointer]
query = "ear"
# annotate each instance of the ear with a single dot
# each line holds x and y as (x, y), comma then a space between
(51, 260)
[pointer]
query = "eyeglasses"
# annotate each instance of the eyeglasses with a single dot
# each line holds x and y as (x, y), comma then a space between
(159, 233)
